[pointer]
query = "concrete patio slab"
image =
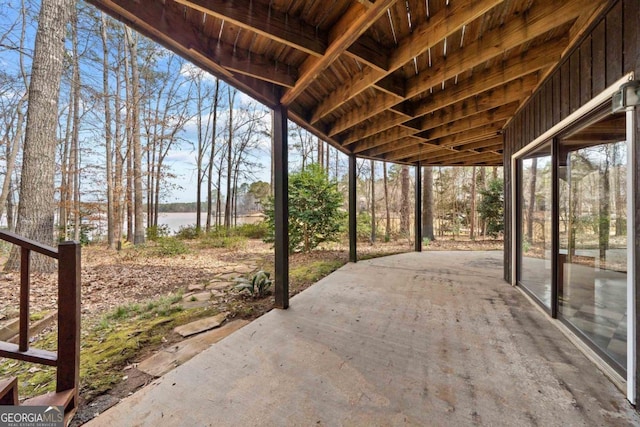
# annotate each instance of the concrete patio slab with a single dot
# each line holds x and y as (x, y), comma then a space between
(426, 339)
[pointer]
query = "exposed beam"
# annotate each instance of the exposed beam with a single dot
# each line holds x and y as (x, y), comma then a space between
(385, 137)
(169, 28)
(491, 121)
(499, 114)
(538, 20)
(473, 135)
(264, 20)
(380, 103)
(384, 121)
(462, 156)
(355, 21)
(509, 93)
(444, 23)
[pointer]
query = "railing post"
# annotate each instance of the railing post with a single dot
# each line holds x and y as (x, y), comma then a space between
(68, 317)
(23, 343)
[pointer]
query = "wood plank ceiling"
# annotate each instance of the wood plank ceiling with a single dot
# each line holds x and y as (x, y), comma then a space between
(433, 81)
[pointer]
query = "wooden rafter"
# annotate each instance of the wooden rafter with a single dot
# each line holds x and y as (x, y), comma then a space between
(344, 33)
(170, 29)
(264, 20)
(445, 23)
(540, 19)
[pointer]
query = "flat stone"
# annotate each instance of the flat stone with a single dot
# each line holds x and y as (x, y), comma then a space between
(218, 286)
(229, 276)
(196, 287)
(201, 296)
(174, 356)
(244, 269)
(186, 305)
(201, 325)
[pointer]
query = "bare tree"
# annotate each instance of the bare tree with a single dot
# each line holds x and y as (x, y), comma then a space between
(427, 203)
(404, 201)
(36, 206)
(107, 132)
(138, 232)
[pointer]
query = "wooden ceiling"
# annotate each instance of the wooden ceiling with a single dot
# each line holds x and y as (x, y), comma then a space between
(407, 81)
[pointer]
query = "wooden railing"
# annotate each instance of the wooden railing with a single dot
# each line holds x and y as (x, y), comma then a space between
(67, 358)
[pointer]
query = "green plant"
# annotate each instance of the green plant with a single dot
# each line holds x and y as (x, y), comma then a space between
(491, 207)
(258, 286)
(314, 210)
(259, 230)
(216, 240)
(188, 232)
(155, 232)
(170, 246)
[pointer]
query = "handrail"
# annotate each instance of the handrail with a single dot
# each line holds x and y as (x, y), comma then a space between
(67, 358)
(32, 245)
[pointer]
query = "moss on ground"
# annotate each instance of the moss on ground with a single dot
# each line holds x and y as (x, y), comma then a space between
(107, 346)
(310, 273)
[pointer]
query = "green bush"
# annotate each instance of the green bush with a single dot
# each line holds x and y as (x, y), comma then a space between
(491, 207)
(188, 232)
(259, 230)
(157, 231)
(170, 246)
(314, 210)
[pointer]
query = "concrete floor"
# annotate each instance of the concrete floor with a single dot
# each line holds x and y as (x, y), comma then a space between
(426, 339)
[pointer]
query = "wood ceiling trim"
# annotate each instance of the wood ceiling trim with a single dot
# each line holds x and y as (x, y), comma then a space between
(263, 20)
(343, 34)
(381, 102)
(492, 44)
(511, 93)
(443, 24)
(498, 114)
(474, 135)
(169, 28)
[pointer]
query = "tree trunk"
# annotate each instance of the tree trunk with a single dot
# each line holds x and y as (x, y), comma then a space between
(404, 202)
(385, 177)
(427, 203)
(138, 232)
(605, 209)
(227, 207)
(75, 137)
(37, 186)
(107, 133)
(11, 152)
(118, 203)
(212, 154)
(532, 198)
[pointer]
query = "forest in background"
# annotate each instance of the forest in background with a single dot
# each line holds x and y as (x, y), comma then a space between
(129, 112)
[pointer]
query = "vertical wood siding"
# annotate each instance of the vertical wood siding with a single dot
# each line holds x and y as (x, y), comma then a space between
(610, 50)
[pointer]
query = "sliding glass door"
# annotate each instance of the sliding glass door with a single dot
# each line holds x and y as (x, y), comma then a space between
(592, 260)
(571, 230)
(535, 224)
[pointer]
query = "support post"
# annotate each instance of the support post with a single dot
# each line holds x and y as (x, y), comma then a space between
(68, 369)
(418, 215)
(281, 206)
(353, 223)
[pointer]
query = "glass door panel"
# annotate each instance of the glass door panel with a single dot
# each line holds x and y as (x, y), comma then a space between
(535, 192)
(592, 259)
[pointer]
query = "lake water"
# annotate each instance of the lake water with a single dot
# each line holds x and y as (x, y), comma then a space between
(175, 220)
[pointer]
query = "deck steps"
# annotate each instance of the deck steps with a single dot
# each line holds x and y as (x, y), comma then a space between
(9, 396)
(9, 391)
